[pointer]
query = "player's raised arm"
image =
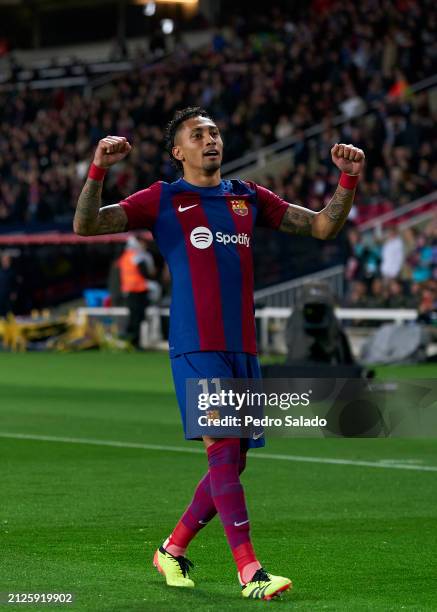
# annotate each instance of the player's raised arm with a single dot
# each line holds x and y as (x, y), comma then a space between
(328, 222)
(90, 219)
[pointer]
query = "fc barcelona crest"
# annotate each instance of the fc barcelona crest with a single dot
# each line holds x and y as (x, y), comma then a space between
(239, 207)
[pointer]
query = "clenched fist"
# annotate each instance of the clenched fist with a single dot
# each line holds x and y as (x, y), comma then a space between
(348, 158)
(111, 150)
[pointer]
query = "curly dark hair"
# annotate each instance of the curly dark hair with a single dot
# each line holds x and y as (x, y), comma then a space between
(173, 126)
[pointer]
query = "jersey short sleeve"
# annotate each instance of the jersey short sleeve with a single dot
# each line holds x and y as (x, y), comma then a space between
(142, 207)
(271, 208)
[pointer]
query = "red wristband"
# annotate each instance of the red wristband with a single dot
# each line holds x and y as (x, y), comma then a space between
(96, 173)
(348, 181)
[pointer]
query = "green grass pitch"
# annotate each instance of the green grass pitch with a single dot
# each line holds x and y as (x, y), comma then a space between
(86, 518)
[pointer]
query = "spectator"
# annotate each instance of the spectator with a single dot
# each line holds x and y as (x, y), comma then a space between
(284, 128)
(357, 295)
(421, 260)
(378, 294)
(428, 305)
(396, 297)
(392, 255)
(414, 296)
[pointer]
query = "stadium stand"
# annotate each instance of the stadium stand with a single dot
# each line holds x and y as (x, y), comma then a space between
(264, 78)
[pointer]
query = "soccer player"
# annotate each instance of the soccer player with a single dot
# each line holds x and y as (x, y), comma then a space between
(204, 226)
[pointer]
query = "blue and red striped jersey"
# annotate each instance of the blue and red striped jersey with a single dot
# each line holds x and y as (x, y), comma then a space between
(205, 234)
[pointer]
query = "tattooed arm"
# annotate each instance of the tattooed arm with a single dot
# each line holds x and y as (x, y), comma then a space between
(324, 224)
(90, 219)
(328, 222)
(298, 220)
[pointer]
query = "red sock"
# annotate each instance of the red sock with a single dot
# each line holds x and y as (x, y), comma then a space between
(178, 541)
(246, 562)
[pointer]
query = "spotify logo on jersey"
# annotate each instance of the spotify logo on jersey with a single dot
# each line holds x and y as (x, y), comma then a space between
(201, 237)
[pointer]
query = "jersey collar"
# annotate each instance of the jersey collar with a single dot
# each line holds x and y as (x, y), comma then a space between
(186, 186)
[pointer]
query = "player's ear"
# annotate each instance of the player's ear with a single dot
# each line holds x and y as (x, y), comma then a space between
(177, 153)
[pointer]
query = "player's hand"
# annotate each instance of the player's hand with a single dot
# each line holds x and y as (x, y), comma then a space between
(348, 158)
(111, 150)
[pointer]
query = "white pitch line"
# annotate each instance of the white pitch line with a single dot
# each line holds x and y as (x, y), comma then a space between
(200, 451)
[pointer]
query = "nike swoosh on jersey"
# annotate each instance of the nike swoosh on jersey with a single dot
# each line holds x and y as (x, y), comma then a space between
(184, 208)
(242, 523)
(256, 436)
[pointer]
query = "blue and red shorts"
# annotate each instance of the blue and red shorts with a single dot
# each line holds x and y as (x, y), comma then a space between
(209, 365)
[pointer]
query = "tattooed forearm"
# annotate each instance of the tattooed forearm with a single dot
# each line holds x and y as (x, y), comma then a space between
(324, 224)
(339, 207)
(88, 204)
(90, 219)
(331, 219)
(297, 220)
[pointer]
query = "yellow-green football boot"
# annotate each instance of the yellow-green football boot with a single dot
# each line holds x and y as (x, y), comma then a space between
(265, 586)
(174, 569)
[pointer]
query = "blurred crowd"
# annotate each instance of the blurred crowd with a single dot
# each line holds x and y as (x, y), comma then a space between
(262, 78)
(397, 270)
(401, 165)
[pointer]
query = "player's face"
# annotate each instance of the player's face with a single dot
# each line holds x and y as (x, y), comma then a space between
(198, 145)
